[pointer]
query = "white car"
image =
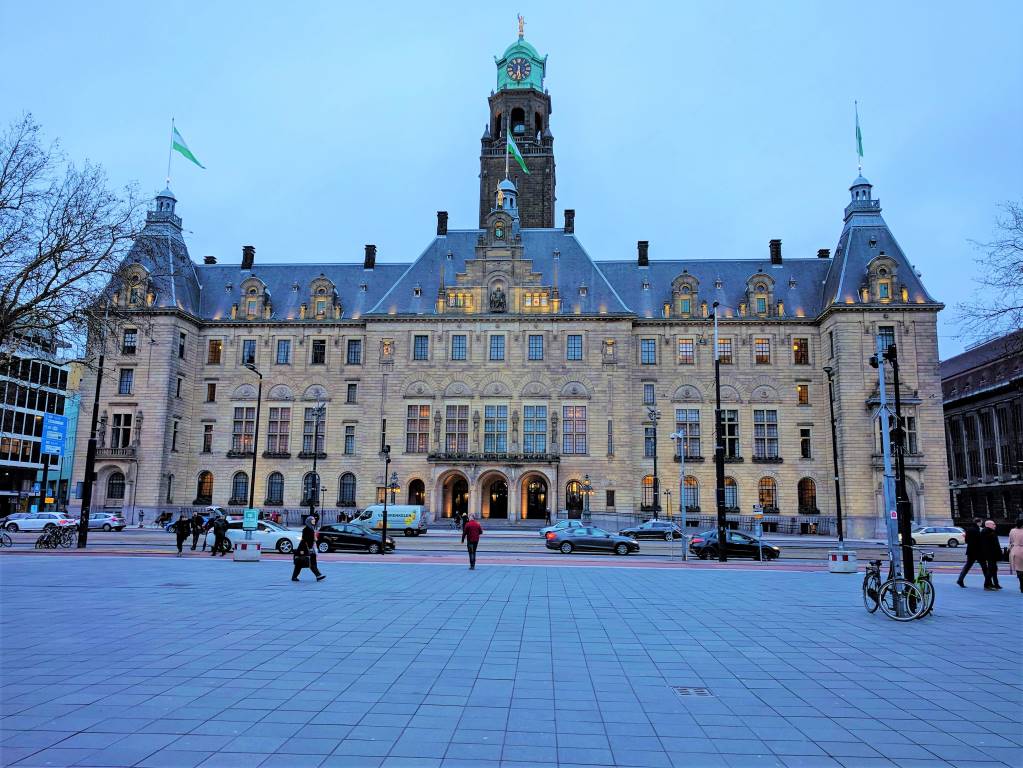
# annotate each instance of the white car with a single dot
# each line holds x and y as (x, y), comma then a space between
(269, 535)
(41, 521)
(941, 535)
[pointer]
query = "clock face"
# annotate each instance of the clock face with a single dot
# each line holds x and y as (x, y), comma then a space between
(519, 69)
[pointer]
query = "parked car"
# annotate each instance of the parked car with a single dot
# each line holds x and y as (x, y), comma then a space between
(107, 521)
(653, 529)
(941, 535)
(40, 521)
(350, 537)
(561, 525)
(587, 538)
(13, 517)
(705, 545)
(269, 535)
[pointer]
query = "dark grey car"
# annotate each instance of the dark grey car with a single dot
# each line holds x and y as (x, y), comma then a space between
(589, 539)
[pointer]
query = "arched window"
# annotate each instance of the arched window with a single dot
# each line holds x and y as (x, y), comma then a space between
(574, 498)
(275, 488)
(648, 492)
(537, 123)
(346, 490)
(416, 492)
(691, 491)
(170, 489)
(115, 486)
(518, 120)
(767, 493)
(731, 493)
(239, 488)
(808, 497)
(310, 488)
(204, 488)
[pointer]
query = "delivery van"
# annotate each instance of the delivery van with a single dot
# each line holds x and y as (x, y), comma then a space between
(410, 518)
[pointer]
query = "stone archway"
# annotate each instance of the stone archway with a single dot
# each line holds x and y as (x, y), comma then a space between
(535, 496)
(494, 495)
(454, 494)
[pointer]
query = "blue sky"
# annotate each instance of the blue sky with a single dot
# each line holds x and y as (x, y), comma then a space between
(705, 128)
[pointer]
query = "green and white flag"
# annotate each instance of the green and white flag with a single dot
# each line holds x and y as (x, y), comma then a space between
(859, 136)
(513, 150)
(178, 144)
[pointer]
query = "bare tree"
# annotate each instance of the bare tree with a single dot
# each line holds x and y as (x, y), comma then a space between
(996, 308)
(63, 236)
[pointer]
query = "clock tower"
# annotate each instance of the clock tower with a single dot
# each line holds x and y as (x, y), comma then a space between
(520, 105)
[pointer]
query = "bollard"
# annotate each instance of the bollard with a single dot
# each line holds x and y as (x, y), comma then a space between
(246, 551)
(842, 561)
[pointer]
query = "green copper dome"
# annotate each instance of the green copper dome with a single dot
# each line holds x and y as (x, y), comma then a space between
(521, 48)
(520, 67)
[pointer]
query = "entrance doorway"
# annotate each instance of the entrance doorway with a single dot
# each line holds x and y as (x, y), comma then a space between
(574, 499)
(456, 496)
(535, 498)
(495, 497)
(417, 492)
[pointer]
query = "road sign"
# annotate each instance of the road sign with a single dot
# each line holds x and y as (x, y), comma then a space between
(250, 520)
(54, 434)
(48, 500)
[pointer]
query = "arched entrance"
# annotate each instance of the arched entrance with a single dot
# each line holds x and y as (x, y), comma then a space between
(535, 497)
(455, 495)
(417, 492)
(574, 499)
(494, 496)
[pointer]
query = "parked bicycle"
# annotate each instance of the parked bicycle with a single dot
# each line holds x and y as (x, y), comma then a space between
(899, 599)
(6, 540)
(58, 537)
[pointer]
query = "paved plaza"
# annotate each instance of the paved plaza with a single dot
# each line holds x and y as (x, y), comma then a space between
(159, 661)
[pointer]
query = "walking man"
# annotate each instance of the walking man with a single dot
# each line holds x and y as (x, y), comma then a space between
(196, 526)
(181, 530)
(972, 551)
(990, 554)
(219, 526)
(307, 549)
(471, 533)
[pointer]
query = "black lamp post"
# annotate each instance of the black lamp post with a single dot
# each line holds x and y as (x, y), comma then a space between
(90, 452)
(387, 468)
(834, 456)
(587, 491)
(255, 437)
(719, 445)
(314, 483)
(654, 415)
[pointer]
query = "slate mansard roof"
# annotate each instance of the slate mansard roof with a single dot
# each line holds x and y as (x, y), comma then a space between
(589, 287)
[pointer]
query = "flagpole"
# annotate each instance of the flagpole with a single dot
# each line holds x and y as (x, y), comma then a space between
(170, 149)
(507, 128)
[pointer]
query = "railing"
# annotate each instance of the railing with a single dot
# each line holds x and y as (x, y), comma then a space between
(479, 458)
(310, 454)
(239, 454)
(768, 459)
(805, 525)
(115, 453)
(689, 459)
(276, 455)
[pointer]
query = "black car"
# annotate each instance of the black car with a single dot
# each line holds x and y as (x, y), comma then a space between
(705, 546)
(590, 539)
(349, 538)
(653, 529)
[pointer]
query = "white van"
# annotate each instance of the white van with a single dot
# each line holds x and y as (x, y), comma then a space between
(410, 518)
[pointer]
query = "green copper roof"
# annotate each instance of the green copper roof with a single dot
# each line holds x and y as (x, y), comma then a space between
(522, 48)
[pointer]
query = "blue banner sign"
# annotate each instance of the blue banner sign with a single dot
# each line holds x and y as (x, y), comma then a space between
(54, 434)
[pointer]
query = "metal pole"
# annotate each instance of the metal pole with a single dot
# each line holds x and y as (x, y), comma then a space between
(315, 485)
(46, 474)
(90, 456)
(888, 484)
(387, 482)
(719, 447)
(898, 449)
(657, 489)
(834, 456)
(255, 436)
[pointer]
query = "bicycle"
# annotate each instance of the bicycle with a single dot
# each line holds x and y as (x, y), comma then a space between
(924, 584)
(899, 599)
(872, 585)
(6, 540)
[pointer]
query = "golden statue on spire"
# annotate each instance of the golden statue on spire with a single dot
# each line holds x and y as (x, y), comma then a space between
(522, 26)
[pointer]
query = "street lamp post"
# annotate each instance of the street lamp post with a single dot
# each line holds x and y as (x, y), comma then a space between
(834, 456)
(587, 491)
(654, 415)
(719, 446)
(898, 436)
(255, 439)
(314, 484)
(387, 467)
(90, 452)
(679, 438)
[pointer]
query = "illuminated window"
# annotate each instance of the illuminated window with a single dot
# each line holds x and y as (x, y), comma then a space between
(801, 351)
(725, 351)
(686, 352)
(803, 394)
(762, 349)
(767, 493)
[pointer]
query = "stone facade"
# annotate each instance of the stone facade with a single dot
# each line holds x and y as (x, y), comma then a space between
(504, 367)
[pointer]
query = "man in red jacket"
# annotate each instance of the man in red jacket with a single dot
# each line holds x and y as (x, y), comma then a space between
(471, 533)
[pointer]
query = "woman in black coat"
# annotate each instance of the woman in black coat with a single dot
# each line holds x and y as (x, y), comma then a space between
(990, 554)
(307, 548)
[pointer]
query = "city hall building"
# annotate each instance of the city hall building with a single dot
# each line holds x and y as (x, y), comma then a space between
(505, 366)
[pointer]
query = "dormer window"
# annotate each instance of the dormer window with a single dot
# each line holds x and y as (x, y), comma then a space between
(417, 291)
(760, 295)
(882, 280)
(323, 299)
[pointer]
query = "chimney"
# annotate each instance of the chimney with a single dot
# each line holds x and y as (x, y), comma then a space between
(248, 256)
(643, 247)
(775, 252)
(442, 222)
(824, 253)
(569, 221)
(371, 257)
(209, 259)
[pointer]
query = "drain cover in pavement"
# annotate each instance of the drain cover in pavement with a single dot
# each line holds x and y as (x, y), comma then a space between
(686, 690)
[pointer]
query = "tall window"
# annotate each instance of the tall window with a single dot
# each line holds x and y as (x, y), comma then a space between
(115, 486)
(417, 429)
(648, 492)
(204, 488)
(420, 347)
(649, 442)
(610, 438)
(243, 429)
(765, 434)
(207, 438)
(120, 431)
(692, 493)
(535, 347)
(283, 351)
(534, 429)
(731, 493)
(239, 488)
(805, 443)
(456, 429)
(686, 352)
(129, 344)
(807, 490)
(349, 440)
(574, 346)
(181, 345)
(319, 354)
(573, 423)
(687, 422)
(354, 356)
(313, 425)
(346, 490)
(497, 347)
(169, 499)
(211, 391)
(275, 488)
(648, 351)
(725, 351)
(831, 344)
(730, 433)
(495, 426)
(177, 387)
(215, 348)
(801, 351)
(803, 394)
(175, 429)
(762, 350)
(767, 493)
(278, 431)
(458, 346)
(248, 351)
(887, 334)
(352, 393)
(310, 488)
(126, 381)
(648, 394)
(912, 446)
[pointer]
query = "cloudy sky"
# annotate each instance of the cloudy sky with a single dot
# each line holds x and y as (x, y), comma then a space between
(706, 128)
